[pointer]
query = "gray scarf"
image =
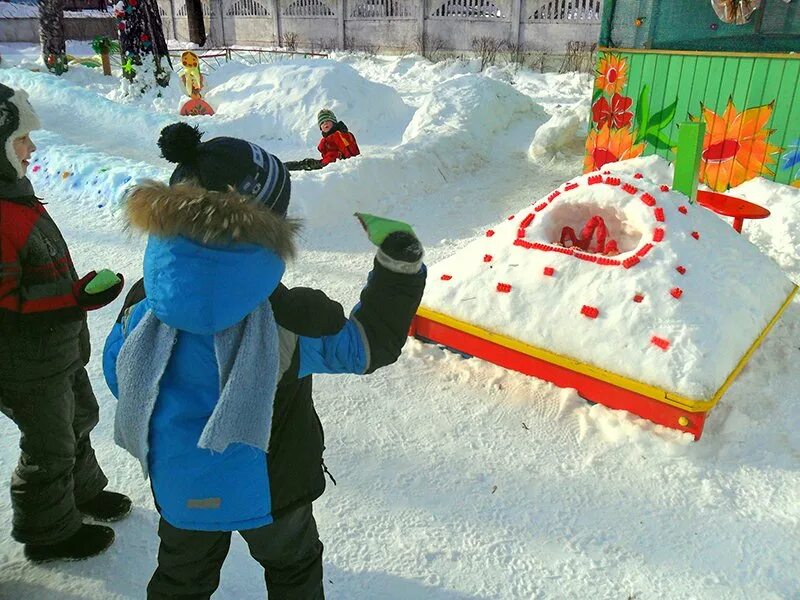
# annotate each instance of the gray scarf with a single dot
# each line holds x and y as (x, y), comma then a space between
(248, 359)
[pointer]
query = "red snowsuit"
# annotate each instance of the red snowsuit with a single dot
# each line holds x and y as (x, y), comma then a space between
(337, 143)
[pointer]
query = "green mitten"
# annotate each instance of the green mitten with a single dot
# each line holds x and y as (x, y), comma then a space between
(378, 228)
(101, 282)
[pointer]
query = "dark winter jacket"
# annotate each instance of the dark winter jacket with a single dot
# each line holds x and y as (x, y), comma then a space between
(43, 332)
(337, 143)
(205, 288)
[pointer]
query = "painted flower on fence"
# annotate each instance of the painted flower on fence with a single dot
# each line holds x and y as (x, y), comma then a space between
(612, 74)
(608, 145)
(735, 147)
(615, 114)
(791, 159)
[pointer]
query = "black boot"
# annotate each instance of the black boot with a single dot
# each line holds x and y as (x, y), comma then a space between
(89, 540)
(107, 507)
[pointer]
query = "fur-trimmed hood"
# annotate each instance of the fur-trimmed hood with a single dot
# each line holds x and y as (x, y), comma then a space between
(212, 258)
(208, 217)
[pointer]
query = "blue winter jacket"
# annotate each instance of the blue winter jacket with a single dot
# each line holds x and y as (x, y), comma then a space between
(200, 289)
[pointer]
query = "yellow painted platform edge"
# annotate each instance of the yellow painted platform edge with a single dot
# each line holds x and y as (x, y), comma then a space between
(639, 387)
(747, 355)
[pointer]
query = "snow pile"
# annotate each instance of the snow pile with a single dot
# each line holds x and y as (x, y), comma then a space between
(564, 133)
(457, 122)
(677, 308)
(281, 100)
(778, 235)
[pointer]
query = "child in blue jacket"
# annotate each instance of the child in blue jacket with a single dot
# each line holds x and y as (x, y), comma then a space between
(211, 360)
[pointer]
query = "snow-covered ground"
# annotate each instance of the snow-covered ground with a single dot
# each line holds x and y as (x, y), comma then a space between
(457, 480)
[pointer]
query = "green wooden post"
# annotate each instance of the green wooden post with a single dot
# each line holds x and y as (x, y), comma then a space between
(687, 158)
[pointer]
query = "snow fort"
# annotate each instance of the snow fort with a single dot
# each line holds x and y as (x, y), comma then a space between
(615, 285)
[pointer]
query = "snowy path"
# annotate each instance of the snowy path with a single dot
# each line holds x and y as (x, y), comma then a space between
(457, 480)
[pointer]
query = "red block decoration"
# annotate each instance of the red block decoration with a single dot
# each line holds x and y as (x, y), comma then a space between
(504, 287)
(553, 196)
(682, 209)
(664, 188)
(638, 176)
(549, 271)
(570, 186)
(446, 277)
(595, 179)
(613, 180)
(676, 292)
(487, 258)
(681, 269)
(527, 221)
(638, 298)
(660, 342)
(630, 261)
(696, 235)
(590, 311)
(659, 212)
(511, 218)
(648, 199)
(629, 188)
(541, 206)
(658, 234)
(490, 233)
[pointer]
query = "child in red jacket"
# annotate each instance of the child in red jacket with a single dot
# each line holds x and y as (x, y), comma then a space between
(336, 143)
(44, 349)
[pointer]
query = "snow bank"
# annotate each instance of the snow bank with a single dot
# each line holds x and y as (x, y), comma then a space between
(457, 123)
(682, 275)
(280, 100)
(564, 133)
(779, 234)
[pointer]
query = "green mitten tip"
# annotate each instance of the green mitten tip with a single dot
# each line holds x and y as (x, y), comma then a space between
(104, 280)
(378, 228)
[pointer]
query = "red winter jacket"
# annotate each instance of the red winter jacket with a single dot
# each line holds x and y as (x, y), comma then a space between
(337, 143)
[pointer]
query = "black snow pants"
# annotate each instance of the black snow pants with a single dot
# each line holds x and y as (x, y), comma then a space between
(189, 562)
(57, 467)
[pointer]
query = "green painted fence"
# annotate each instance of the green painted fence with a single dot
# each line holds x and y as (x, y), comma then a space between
(750, 105)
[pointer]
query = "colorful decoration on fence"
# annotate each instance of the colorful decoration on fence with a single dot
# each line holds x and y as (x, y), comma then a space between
(193, 83)
(612, 74)
(608, 145)
(735, 146)
(632, 120)
(792, 159)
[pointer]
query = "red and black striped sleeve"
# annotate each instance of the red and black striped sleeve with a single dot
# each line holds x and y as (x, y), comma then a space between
(32, 292)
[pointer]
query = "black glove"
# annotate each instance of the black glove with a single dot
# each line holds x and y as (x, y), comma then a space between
(403, 247)
(312, 164)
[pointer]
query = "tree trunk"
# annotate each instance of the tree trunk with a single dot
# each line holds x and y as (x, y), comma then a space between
(197, 27)
(106, 64)
(51, 26)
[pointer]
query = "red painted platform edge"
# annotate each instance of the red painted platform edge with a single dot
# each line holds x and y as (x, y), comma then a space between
(590, 388)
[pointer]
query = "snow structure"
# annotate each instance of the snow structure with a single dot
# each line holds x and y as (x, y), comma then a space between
(618, 277)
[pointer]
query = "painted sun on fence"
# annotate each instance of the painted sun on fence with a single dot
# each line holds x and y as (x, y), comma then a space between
(735, 147)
